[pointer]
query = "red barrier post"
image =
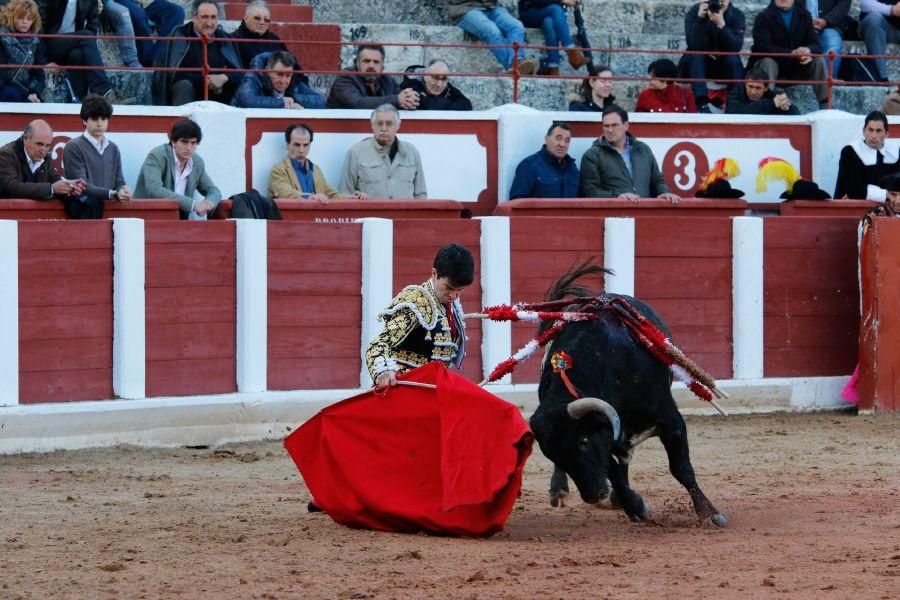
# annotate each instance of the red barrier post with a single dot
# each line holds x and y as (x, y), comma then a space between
(516, 72)
(831, 56)
(204, 41)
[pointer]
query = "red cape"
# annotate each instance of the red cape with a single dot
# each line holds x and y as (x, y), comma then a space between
(446, 461)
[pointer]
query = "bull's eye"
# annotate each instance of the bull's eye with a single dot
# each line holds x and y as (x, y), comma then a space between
(583, 444)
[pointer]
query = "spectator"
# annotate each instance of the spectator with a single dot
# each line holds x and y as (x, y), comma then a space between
(619, 166)
(371, 90)
(115, 16)
(552, 18)
(92, 158)
(180, 87)
(550, 172)
(78, 17)
(25, 172)
(829, 19)
(756, 98)
(173, 170)
(296, 176)
(21, 85)
(662, 93)
(255, 26)
(786, 27)
(435, 90)
(868, 160)
(492, 24)
(596, 91)
(382, 166)
(719, 31)
(879, 25)
(164, 14)
(279, 87)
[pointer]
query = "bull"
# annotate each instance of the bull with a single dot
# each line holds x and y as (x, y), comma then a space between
(626, 398)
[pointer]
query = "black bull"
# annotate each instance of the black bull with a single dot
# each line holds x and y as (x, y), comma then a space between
(626, 398)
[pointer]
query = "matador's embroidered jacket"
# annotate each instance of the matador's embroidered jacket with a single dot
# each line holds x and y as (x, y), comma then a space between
(417, 331)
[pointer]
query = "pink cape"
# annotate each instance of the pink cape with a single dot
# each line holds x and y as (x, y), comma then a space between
(446, 461)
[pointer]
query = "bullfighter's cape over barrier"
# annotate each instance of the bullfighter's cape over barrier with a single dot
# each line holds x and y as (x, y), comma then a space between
(445, 460)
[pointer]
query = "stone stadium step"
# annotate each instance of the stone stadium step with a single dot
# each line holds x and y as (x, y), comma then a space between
(282, 13)
(133, 84)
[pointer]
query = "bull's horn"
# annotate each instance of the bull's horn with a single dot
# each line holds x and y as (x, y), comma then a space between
(579, 408)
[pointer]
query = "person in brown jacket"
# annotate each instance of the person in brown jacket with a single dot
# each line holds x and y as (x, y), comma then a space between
(296, 176)
(25, 171)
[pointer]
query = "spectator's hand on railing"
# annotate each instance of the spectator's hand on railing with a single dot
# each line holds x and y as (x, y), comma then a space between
(673, 198)
(360, 195)
(803, 54)
(32, 97)
(124, 194)
(291, 103)
(321, 198)
(203, 207)
(408, 99)
(217, 82)
(629, 196)
(782, 102)
(69, 187)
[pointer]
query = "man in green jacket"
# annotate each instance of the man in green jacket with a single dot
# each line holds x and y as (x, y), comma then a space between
(620, 166)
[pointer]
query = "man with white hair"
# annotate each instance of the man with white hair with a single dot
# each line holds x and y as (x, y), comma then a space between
(435, 90)
(256, 26)
(382, 166)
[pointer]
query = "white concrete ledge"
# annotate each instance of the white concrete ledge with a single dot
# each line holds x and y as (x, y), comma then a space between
(242, 417)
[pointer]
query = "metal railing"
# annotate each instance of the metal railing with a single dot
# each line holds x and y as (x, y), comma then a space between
(206, 69)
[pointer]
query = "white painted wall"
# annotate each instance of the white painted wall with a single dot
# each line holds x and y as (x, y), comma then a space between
(252, 304)
(9, 313)
(618, 255)
(377, 282)
(496, 288)
(129, 309)
(747, 297)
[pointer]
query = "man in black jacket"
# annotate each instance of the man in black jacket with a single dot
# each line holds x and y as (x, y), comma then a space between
(755, 97)
(435, 90)
(180, 87)
(372, 89)
(787, 27)
(719, 31)
(255, 26)
(83, 20)
(867, 161)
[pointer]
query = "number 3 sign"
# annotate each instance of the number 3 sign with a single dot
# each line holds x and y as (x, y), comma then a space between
(683, 168)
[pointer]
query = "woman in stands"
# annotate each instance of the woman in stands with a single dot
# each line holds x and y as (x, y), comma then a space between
(21, 84)
(596, 91)
(663, 94)
(551, 17)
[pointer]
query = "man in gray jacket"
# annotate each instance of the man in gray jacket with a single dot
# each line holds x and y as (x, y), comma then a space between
(382, 166)
(173, 170)
(372, 89)
(620, 166)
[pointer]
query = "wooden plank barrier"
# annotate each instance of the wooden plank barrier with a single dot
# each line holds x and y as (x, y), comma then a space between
(65, 311)
(415, 244)
(811, 307)
(314, 305)
(613, 207)
(683, 269)
(342, 210)
(31, 210)
(191, 323)
(879, 336)
(541, 250)
(826, 208)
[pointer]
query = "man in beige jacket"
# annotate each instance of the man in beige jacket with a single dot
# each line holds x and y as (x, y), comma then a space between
(382, 166)
(296, 176)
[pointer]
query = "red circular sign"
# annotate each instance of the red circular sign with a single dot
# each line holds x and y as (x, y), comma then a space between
(683, 168)
(57, 146)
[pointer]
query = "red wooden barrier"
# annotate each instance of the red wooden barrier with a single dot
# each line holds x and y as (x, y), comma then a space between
(541, 250)
(314, 305)
(312, 57)
(65, 311)
(191, 327)
(683, 270)
(613, 207)
(811, 296)
(826, 208)
(415, 244)
(31, 210)
(346, 211)
(879, 339)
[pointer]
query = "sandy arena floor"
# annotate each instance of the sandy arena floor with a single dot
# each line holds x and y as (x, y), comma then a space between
(813, 503)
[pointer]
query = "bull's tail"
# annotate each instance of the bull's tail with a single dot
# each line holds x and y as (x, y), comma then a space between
(565, 285)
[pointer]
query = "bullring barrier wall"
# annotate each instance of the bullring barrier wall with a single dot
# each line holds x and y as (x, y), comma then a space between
(467, 157)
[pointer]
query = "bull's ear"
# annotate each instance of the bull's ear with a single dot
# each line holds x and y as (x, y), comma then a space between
(545, 420)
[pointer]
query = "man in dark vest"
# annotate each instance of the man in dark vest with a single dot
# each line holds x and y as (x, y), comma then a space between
(866, 162)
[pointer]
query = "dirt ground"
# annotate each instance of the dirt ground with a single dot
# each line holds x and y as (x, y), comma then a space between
(813, 502)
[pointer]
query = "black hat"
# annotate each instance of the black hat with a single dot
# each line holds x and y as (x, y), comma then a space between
(890, 182)
(806, 190)
(719, 189)
(663, 68)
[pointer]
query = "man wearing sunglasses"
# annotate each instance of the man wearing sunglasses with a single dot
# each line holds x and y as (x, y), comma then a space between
(434, 88)
(255, 26)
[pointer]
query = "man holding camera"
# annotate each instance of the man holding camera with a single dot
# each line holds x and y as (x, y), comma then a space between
(713, 26)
